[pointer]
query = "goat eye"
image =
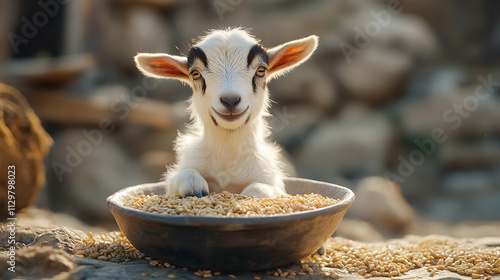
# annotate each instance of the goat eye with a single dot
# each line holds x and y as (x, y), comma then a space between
(261, 71)
(196, 74)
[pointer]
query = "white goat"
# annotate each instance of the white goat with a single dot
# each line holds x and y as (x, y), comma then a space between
(226, 146)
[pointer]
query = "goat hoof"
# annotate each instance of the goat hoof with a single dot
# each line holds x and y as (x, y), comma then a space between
(188, 183)
(198, 194)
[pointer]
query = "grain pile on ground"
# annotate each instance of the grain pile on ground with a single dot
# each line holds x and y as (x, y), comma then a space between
(395, 258)
(228, 204)
(112, 246)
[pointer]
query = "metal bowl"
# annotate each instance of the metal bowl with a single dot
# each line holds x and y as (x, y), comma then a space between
(231, 243)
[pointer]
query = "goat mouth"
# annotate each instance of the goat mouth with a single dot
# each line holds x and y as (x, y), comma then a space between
(231, 116)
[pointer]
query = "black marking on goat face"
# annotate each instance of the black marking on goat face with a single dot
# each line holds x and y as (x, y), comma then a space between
(258, 81)
(204, 85)
(196, 52)
(257, 50)
(214, 120)
(200, 84)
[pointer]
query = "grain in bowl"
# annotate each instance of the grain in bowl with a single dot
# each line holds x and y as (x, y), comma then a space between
(228, 204)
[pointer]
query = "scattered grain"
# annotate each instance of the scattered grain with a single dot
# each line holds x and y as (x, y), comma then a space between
(389, 259)
(396, 258)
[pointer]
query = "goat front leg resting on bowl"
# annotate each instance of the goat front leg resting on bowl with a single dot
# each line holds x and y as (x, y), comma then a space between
(187, 182)
(260, 190)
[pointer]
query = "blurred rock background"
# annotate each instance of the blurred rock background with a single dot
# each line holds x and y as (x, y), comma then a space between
(400, 102)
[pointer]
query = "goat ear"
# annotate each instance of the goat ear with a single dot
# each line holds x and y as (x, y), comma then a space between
(285, 57)
(160, 65)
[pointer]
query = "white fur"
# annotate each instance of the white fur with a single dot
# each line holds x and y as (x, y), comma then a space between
(227, 155)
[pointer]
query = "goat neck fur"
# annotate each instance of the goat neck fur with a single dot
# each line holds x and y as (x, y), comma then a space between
(226, 146)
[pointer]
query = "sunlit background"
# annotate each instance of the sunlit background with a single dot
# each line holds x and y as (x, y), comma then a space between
(400, 102)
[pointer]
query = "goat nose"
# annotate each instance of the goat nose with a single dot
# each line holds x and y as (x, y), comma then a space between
(230, 101)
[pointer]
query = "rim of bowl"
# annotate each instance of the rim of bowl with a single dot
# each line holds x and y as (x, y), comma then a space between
(114, 206)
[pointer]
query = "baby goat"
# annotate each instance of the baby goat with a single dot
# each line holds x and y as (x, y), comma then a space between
(226, 146)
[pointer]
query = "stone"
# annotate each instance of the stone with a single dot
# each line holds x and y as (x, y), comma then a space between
(462, 229)
(158, 4)
(470, 155)
(191, 20)
(155, 162)
(306, 85)
(375, 76)
(43, 218)
(25, 234)
(323, 16)
(419, 183)
(483, 206)
(352, 146)
(38, 262)
(84, 171)
(381, 203)
(409, 34)
(442, 81)
(358, 230)
(444, 209)
(290, 124)
(139, 141)
(63, 238)
(25, 145)
(463, 184)
(8, 12)
(375, 69)
(452, 32)
(52, 71)
(136, 29)
(78, 25)
(461, 113)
